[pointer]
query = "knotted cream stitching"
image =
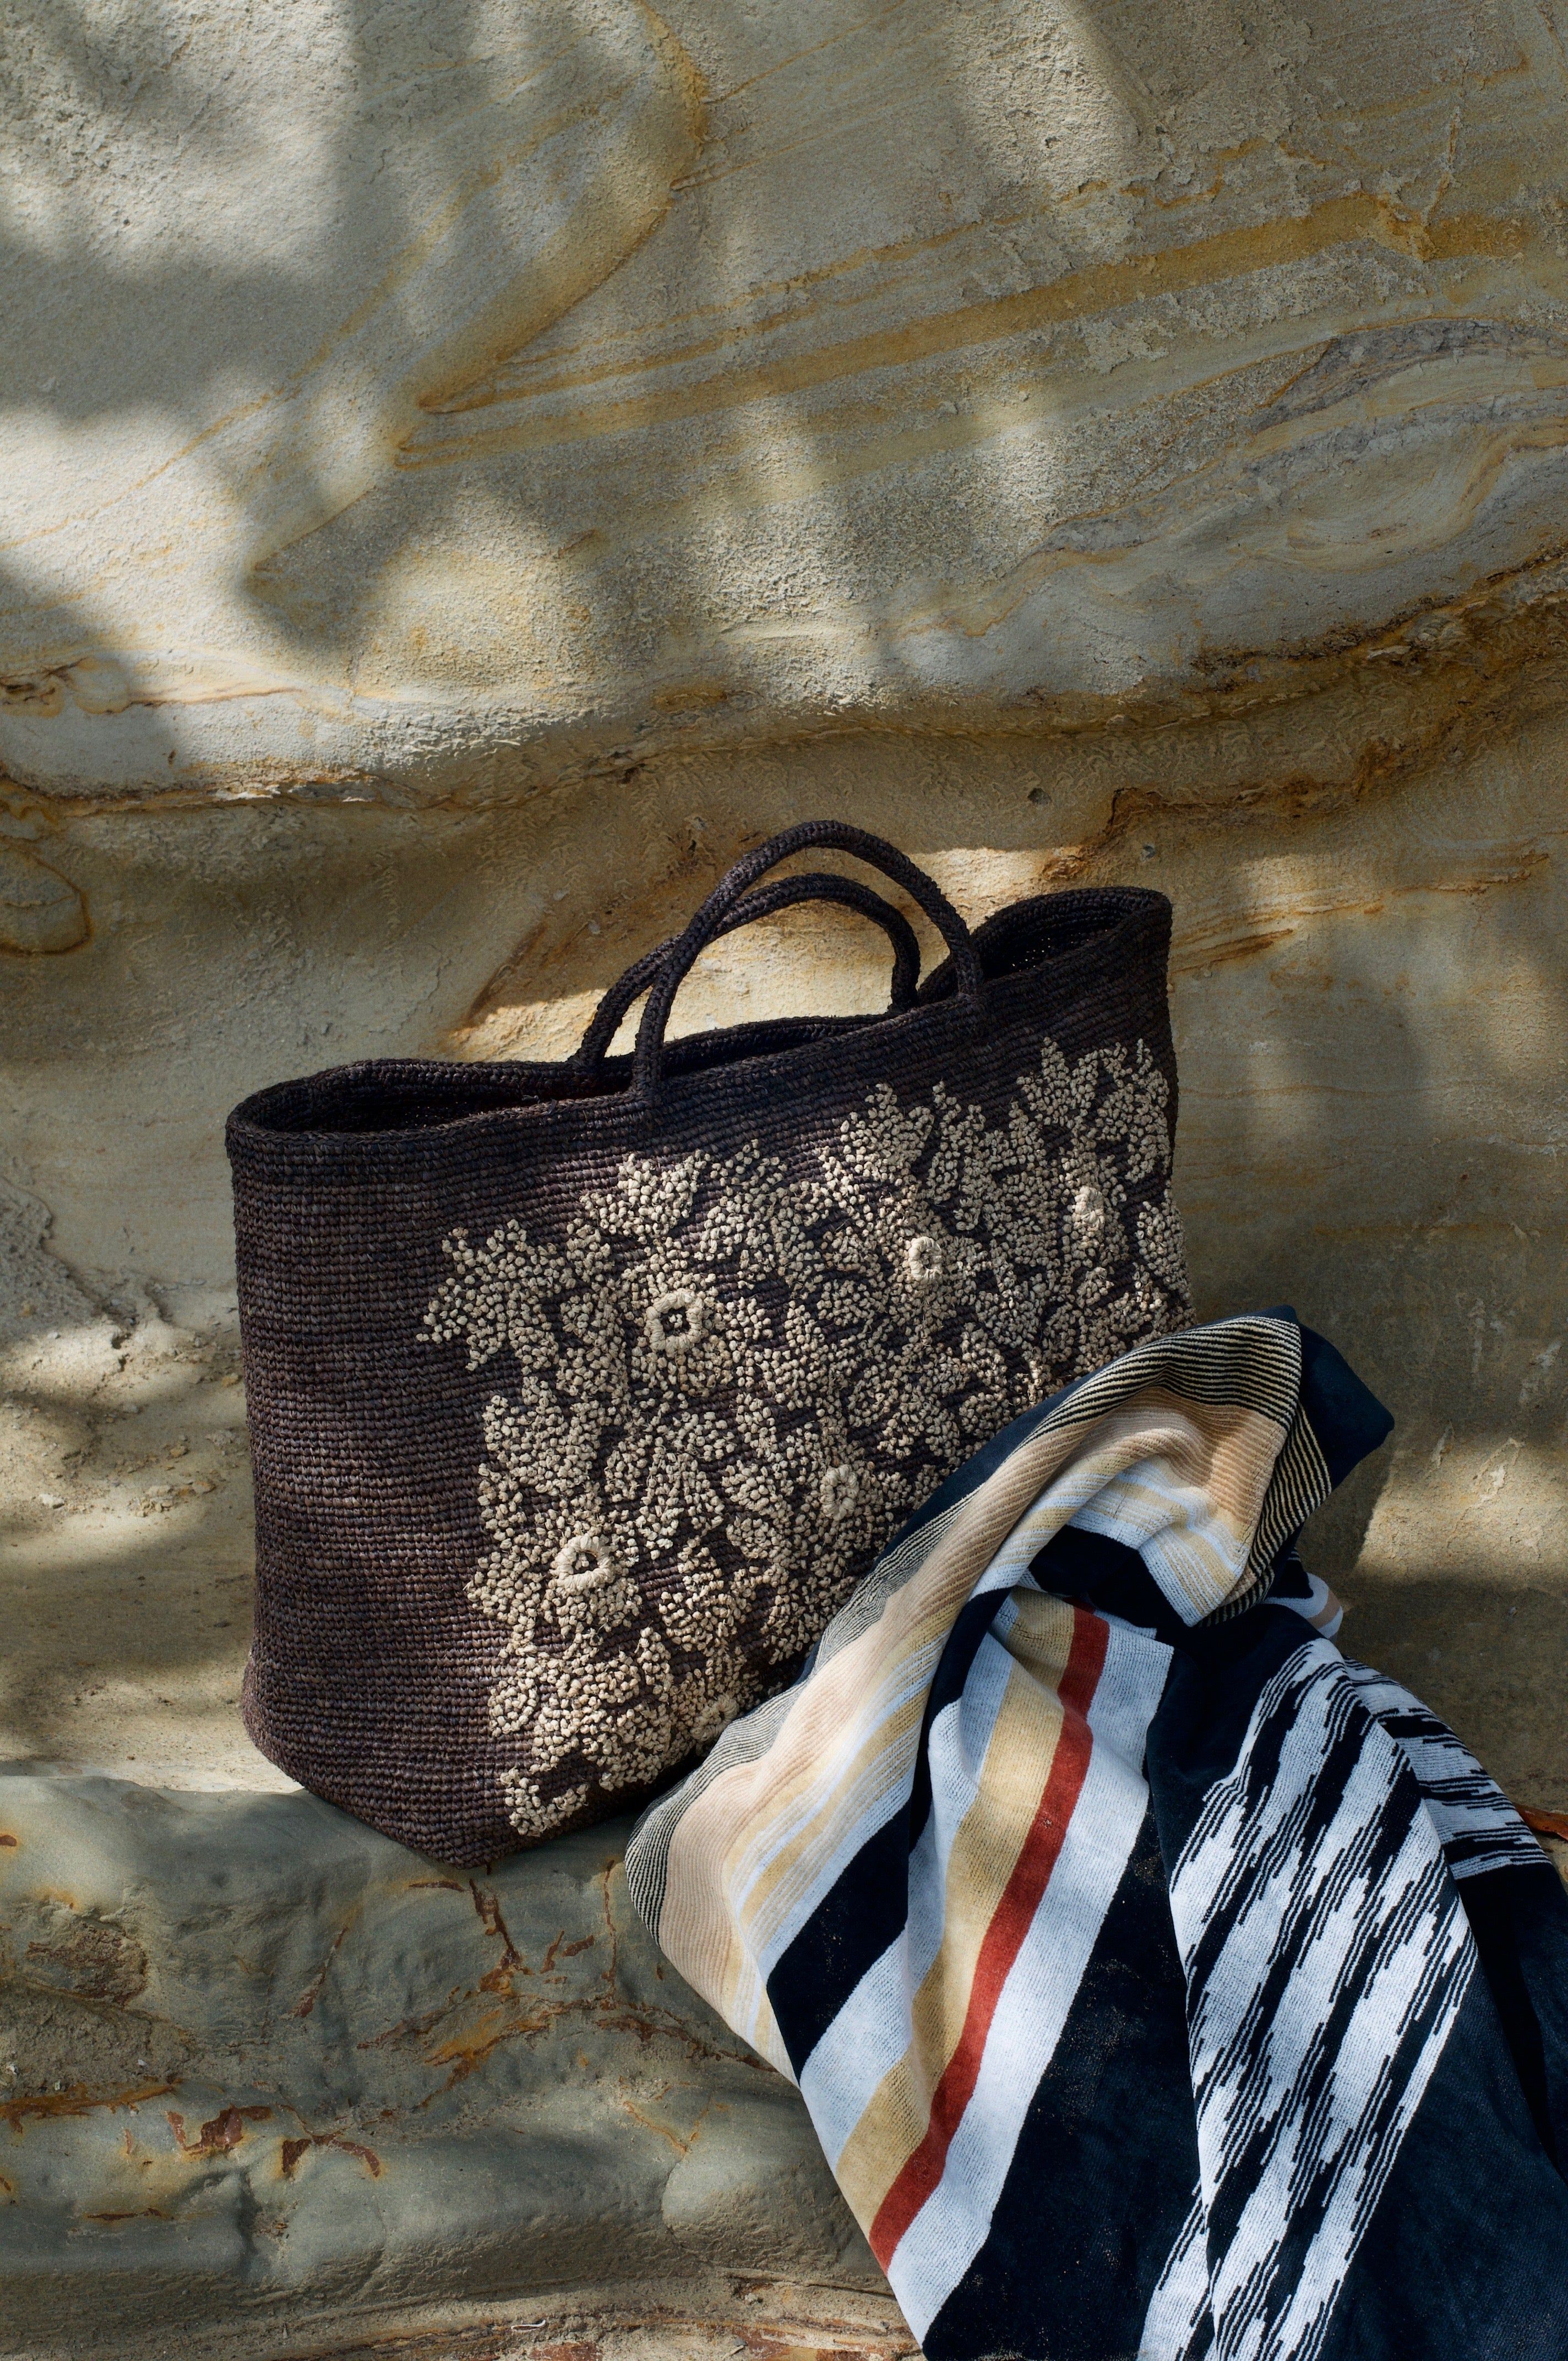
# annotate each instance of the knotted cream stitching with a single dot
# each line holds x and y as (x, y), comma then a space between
(732, 1384)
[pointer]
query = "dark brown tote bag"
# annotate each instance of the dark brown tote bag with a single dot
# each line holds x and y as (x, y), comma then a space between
(580, 1394)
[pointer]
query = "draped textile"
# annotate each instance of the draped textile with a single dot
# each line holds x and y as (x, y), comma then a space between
(1160, 1982)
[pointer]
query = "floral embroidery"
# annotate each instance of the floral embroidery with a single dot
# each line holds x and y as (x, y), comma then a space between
(732, 1384)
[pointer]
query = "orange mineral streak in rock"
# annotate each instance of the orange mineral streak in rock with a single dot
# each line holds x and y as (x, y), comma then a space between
(77, 2099)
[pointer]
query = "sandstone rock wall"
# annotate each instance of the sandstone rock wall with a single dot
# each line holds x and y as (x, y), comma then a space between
(258, 2064)
(452, 393)
(471, 469)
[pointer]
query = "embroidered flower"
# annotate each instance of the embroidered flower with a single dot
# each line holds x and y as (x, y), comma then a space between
(810, 1510)
(714, 1719)
(838, 1491)
(674, 1322)
(730, 1383)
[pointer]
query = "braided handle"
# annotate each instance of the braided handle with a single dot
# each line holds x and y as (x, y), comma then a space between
(819, 885)
(647, 1065)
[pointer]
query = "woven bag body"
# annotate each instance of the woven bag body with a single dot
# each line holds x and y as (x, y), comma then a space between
(581, 1394)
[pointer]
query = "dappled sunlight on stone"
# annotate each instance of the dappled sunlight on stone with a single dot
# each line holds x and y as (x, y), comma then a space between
(474, 469)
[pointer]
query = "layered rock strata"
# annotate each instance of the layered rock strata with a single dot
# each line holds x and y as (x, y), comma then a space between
(470, 472)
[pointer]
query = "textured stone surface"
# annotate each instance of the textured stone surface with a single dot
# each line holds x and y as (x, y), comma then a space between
(470, 471)
(455, 394)
(258, 2064)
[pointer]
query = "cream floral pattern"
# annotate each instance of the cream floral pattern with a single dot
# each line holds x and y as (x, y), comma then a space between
(730, 1383)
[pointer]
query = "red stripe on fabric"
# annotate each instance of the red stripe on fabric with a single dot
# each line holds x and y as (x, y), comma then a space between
(1003, 1939)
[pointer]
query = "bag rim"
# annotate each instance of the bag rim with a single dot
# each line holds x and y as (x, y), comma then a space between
(249, 1123)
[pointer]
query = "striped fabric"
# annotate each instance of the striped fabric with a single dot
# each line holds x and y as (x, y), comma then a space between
(1125, 1943)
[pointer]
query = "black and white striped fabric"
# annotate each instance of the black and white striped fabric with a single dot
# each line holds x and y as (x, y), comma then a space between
(1374, 1965)
(1163, 1984)
(1327, 1960)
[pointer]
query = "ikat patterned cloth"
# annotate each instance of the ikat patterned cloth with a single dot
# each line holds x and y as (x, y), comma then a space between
(1160, 1982)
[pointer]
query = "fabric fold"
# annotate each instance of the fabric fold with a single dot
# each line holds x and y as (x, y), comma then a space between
(1130, 1946)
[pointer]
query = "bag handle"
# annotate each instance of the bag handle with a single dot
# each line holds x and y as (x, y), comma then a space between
(820, 885)
(647, 1065)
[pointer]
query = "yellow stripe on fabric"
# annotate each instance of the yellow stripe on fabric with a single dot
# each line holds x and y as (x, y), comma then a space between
(1227, 1453)
(701, 1924)
(768, 2041)
(842, 1755)
(826, 1796)
(725, 1841)
(773, 1856)
(1203, 1558)
(986, 1846)
(1196, 1493)
(1039, 1639)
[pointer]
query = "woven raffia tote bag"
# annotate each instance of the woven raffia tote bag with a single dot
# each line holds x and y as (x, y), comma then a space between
(581, 1394)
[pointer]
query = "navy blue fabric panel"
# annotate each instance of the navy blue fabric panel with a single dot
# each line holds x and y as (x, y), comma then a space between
(1292, 1579)
(1538, 1921)
(1197, 1733)
(1106, 2167)
(863, 1913)
(1466, 2258)
(1107, 1575)
(1520, 1920)
(847, 1934)
(1347, 1417)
